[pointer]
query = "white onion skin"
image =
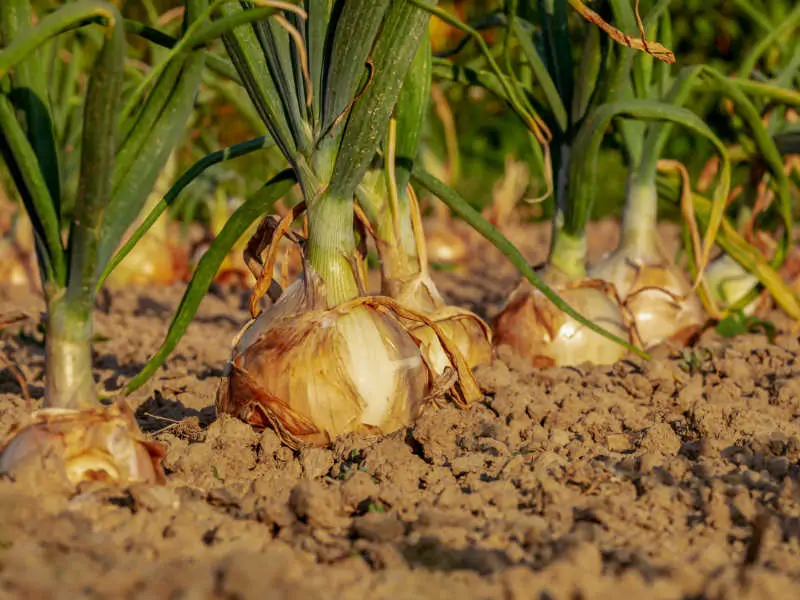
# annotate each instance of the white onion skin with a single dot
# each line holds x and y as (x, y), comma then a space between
(656, 294)
(542, 334)
(729, 282)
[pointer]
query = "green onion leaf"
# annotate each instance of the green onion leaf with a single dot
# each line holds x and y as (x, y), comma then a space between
(463, 209)
(247, 214)
(103, 101)
(394, 50)
(169, 198)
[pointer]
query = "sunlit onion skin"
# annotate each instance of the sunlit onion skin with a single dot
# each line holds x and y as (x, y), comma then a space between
(16, 269)
(17, 254)
(101, 444)
(657, 295)
(541, 333)
(471, 335)
(729, 282)
(313, 373)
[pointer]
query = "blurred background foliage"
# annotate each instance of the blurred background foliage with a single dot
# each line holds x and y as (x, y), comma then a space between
(718, 33)
(487, 134)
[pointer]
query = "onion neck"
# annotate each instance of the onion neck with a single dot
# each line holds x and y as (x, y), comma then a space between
(68, 361)
(331, 246)
(567, 249)
(568, 252)
(395, 242)
(398, 253)
(640, 218)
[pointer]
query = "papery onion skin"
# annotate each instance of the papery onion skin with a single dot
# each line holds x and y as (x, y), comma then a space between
(465, 330)
(305, 374)
(542, 334)
(471, 335)
(656, 294)
(102, 444)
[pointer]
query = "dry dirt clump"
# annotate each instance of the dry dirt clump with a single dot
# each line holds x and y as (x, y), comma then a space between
(673, 478)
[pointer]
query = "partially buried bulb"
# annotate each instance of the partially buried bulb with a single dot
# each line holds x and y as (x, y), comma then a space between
(101, 444)
(537, 330)
(313, 373)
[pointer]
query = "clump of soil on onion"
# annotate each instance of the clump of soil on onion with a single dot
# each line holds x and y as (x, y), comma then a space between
(677, 477)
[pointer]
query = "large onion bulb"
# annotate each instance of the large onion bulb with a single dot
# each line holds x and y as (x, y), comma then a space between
(540, 332)
(314, 373)
(101, 444)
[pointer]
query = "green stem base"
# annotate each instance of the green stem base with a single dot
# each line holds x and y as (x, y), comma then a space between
(68, 358)
(640, 219)
(331, 246)
(568, 253)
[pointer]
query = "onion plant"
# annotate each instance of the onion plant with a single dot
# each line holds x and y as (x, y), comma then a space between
(764, 99)
(326, 358)
(656, 293)
(573, 105)
(375, 361)
(324, 78)
(126, 139)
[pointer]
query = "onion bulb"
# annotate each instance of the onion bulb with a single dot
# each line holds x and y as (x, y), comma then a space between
(541, 333)
(447, 240)
(154, 260)
(413, 288)
(17, 255)
(654, 291)
(99, 444)
(160, 257)
(729, 282)
(314, 373)
(404, 250)
(468, 332)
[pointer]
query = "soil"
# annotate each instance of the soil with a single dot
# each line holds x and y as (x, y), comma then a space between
(676, 477)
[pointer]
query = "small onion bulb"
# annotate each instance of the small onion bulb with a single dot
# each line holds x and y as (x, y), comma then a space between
(154, 260)
(657, 295)
(17, 255)
(446, 244)
(540, 332)
(468, 332)
(100, 444)
(729, 282)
